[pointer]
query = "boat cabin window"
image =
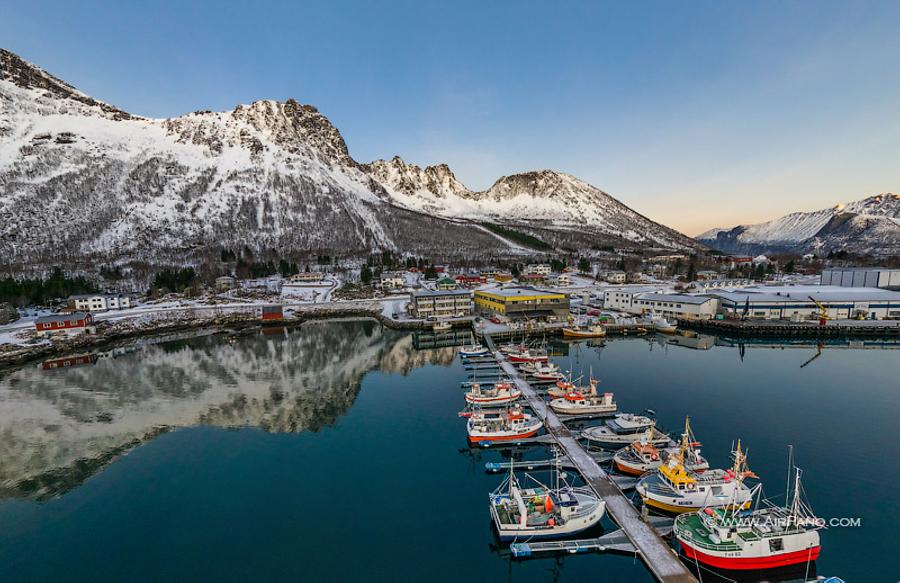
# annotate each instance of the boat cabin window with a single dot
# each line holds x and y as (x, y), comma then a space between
(776, 544)
(681, 486)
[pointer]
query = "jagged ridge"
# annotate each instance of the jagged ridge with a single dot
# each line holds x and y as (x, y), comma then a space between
(82, 180)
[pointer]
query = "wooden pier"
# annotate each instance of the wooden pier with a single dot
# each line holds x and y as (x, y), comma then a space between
(655, 552)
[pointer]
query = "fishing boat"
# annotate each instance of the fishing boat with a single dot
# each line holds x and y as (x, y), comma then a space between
(548, 377)
(474, 350)
(674, 488)
(500, 393)
(661, 325)
(512, 347)
(767, 538)
(577, 403)
(624, 429)
(641, 457)
(526, 355)
(538, 367)
(584, 332)
(560, 388)
(442, 327)
(529, 509)
(505, 425)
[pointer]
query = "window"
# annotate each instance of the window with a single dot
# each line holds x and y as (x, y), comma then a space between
(776, 544)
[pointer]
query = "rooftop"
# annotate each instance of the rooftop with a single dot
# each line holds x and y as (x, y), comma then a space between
(61, 317)
(513, 292)
(424, 293)
(680, 298)
(822, 293)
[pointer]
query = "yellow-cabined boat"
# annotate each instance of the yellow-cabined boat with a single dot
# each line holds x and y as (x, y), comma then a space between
(673, 488)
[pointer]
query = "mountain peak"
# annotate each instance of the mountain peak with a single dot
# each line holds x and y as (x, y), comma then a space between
(852, 226)
(409, 179)
(20, 72)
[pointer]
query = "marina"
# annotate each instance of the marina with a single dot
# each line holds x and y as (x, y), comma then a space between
(655, 552)
(256, 412)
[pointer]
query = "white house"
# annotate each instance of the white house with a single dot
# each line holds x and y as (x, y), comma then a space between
(560, 279)
(614, 276)
(97, 302)
(392, 280)
(538, 268)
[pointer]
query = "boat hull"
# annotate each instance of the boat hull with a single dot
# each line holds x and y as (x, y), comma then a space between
(675, 509)
(524, 359)
(750, 563)
(502, 437)
(492, 400)
(569, 333)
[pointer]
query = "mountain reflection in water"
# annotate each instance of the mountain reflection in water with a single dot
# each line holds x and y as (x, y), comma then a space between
(60, 426)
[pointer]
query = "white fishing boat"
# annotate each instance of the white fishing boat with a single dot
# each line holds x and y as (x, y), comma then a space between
(474, 350)
(442, 326)
(505, 425)
(662, 325)
(499, 393)
(529, 509)
(674, 488)
(625, 429)
(585, 402)
(640, 457)
(538, 367)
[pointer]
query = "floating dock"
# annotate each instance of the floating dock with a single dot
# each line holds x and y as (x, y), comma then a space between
(647, 542)
(613, 541)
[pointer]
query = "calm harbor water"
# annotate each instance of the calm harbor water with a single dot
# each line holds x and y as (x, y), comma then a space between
(333, 452)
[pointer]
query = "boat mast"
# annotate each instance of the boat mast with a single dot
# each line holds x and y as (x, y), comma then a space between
(790, 466)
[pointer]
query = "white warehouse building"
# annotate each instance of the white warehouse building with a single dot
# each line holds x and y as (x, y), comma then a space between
(862, 277)
(796, 302)
(678, 306)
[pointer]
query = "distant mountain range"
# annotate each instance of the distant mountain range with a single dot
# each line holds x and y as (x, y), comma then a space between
(867, 226)
(84, 181)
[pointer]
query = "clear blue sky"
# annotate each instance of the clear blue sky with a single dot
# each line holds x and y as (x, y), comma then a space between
(697, 114)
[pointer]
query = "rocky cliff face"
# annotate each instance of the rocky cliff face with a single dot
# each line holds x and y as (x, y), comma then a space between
(867, 226)
(82, 180)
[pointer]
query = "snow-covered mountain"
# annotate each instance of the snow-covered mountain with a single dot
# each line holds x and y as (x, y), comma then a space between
(870, 225)
(82, 180)
(542, 199)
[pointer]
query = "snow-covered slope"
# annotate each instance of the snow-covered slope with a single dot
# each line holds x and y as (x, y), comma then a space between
(871, 225)
(543, 198)
(83, 180)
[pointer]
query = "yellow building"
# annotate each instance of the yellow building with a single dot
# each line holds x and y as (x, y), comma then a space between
(522, 302)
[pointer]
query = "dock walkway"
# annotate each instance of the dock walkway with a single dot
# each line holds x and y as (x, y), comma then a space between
(659, 557)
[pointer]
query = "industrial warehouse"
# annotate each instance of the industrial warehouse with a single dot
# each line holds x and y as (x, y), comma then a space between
(522, 302)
